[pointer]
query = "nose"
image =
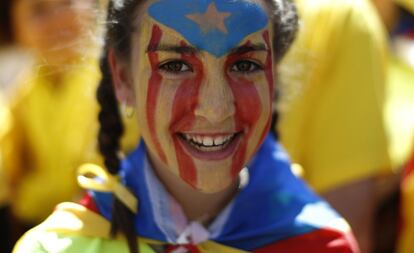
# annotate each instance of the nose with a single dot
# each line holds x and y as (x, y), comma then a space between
(216, 100)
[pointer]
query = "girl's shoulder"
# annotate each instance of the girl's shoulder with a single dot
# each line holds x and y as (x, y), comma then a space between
(39, 240)
(79, 228)
(73, 228)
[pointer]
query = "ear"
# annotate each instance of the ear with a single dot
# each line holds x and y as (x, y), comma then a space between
(121, 80)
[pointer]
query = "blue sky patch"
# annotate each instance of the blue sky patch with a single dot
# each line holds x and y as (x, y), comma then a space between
(215, 26)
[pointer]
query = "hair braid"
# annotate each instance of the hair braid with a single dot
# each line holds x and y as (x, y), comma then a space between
(110, 131)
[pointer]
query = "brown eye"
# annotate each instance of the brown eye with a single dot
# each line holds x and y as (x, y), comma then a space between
(175, 67)
(245, 67)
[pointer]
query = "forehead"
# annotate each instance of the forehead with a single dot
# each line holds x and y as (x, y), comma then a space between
(215, 26)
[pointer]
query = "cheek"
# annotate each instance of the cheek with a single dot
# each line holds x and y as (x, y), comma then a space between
(253, 101)
(183, 117)
(170, 108)
(153, 89)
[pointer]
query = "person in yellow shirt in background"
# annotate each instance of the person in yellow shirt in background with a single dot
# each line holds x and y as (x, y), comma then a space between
(399, 20)
(55, 96)
(53, 128)
(398, 16)
(403, 102)
(334, 127)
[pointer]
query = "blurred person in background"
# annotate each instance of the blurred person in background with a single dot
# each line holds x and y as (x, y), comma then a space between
(50, 98)
(398, 17)
(334, 127)
(53, 112)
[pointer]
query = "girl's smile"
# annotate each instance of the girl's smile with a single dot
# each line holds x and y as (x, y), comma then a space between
(210, 146)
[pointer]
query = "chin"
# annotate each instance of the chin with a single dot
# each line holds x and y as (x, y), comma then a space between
(211, 189)
(213, 184)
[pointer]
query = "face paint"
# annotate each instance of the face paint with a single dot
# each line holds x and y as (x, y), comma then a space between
(248, 103)
(154, 87)
(203, 114)
(201, 22)
(185, 101)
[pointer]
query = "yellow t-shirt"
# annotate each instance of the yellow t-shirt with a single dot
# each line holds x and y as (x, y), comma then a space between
(334, 126)
(400, 110)
(54, 131)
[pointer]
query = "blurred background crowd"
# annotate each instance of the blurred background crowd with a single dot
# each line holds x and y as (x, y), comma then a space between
(345, 102)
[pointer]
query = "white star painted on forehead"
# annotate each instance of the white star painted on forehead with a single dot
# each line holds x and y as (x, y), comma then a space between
(211, 19)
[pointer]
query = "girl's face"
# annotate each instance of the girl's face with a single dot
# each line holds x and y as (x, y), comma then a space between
(53, 28)
(202, 73)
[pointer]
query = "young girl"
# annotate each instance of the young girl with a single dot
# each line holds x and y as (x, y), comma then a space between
(208, 176)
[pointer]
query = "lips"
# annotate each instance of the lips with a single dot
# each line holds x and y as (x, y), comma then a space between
(210, 146)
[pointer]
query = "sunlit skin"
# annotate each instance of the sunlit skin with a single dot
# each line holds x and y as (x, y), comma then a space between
(185, 95)
(56, 30)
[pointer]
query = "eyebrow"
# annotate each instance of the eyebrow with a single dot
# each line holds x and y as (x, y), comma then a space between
(179, 49)
(249, 48)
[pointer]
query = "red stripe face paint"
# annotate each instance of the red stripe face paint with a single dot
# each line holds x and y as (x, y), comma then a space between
(206, 120)
(249, 108)
(183, 116)
(154, 85)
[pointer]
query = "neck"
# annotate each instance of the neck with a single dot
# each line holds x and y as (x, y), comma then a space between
(197, 205)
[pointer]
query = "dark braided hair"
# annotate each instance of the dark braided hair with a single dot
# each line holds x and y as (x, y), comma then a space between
(120, 16)
(111, 128)
(109, 134)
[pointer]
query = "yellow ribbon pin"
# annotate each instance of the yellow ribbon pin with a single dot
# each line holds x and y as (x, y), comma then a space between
(93, 177)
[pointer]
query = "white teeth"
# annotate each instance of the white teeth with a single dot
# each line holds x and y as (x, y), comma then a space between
(219, 141)
(198, 139)
(208, 141)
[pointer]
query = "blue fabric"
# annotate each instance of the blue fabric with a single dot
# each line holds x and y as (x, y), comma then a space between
(405, 23)
(214, 41)
(274, 205)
